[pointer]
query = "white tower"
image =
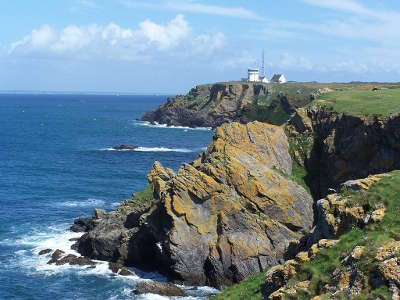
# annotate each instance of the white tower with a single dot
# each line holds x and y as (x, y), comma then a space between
(253, 75)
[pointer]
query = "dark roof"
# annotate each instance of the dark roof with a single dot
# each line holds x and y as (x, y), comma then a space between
(276, 77)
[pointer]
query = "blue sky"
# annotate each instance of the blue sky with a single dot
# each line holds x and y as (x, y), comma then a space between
(168, 46)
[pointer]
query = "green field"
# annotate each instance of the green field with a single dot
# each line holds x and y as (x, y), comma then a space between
(360, 100)
(319, 270)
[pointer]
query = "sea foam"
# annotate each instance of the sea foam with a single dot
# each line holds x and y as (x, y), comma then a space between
(90, 202)
(150, 149)
(157, 125)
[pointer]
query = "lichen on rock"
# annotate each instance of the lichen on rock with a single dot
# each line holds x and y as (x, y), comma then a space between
(229, 214)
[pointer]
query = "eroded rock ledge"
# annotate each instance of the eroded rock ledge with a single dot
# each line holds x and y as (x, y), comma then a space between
(229, 214)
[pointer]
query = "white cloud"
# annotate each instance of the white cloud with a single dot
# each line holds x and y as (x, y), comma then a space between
(115, 42)
(165, 36)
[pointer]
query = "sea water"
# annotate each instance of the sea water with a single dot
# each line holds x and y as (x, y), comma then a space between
(57, 164)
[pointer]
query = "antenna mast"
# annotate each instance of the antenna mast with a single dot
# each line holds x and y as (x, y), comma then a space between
(262, 63)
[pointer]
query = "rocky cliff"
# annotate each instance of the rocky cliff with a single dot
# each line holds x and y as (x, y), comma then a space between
(214, 104)
(335, 147)
(229, 214)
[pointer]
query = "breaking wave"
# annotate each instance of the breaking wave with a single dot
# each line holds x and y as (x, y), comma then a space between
(157, 125)
(150, 149)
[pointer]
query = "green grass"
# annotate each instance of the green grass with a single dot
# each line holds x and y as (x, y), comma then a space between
(248, 289)
(144, 196)
(361, 100)
(319, 270)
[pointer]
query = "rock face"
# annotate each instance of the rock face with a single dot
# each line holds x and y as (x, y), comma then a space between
(212, 105)
(229, 214)
(336, 147)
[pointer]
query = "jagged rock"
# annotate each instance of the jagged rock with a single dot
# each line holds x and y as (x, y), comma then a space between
(82, 225)
(278, 276)
(389, 265)
(336, 214)
(286, 292)
(362, 184)
(229, 214)
(75, 246)
(55, 256)
(349, 281)
(119, 269)
(99, 213)
(160, 288)
(110, 238)
(45, 251)
(301, 121)
(72, 259)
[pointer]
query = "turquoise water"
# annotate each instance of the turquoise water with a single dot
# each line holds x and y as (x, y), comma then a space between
(56, 165)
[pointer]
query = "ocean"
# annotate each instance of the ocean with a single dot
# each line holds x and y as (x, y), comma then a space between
(56, 164)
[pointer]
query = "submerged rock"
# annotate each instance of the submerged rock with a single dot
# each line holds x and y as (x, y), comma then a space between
(119, 269)
(55, 256)
(72, 259)
(229, 214)
(160, 288)
(125, 147)
(45, 251)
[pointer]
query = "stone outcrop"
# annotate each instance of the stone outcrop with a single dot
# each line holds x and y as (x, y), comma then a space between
(212, 105)
(277, 277)
(336, 214)
(349, 280)
(231, 213)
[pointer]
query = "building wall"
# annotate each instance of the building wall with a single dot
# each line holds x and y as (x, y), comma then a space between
(253, 76)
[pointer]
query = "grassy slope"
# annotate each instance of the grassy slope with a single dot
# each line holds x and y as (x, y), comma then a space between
(320, 269)
(362, 100)
(143, 196)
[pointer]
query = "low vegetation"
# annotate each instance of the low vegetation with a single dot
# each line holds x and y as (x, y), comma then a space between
(143, 196)
(319, 270)
(360, 100)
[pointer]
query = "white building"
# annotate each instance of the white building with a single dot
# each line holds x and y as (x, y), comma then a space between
(253, 75)
(278, 78)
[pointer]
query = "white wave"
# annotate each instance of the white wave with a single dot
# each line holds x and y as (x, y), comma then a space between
(162, 149)
(57, 237)
(115, 205)
(151, 149)
(90, 202)
(157, 125)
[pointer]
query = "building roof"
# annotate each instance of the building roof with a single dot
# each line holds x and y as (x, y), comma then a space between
(276, 77)
(252, 70)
